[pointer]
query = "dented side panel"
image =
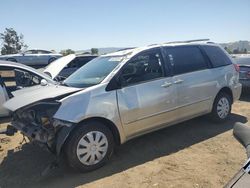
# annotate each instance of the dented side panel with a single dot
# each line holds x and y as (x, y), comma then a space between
(89, 103)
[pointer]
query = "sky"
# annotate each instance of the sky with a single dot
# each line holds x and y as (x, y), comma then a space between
(84, 24)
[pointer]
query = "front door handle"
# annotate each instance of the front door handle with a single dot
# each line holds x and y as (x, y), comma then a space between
(178, 81)
(166, 84)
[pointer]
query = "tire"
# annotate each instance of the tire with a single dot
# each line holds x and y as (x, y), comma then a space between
(11, 59)
(221, 108)
(80, 151)
(51, 60)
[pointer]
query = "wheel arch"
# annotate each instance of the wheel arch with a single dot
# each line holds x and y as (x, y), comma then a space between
(114, 130)
(213, 114)
(226, 90)
(51, 59)
(64, 133)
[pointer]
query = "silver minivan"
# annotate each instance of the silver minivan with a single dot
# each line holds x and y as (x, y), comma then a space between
(122, 95)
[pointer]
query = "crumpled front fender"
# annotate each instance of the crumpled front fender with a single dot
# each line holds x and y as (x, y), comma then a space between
(92, 102)
(61, 138)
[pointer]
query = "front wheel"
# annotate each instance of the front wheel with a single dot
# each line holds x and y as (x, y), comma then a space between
(221, 107)
(89, 146)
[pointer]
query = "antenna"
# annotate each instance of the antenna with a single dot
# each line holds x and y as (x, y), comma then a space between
(188, 41)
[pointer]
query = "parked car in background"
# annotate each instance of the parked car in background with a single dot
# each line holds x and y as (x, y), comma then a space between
(243, 61)
(16, 76)
(33, 58)
(67, 66)
(122, 95)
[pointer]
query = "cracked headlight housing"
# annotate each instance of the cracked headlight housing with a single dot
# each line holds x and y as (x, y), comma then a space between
(40, 113)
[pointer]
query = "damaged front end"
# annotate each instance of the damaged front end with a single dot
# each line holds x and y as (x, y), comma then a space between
(36, 122)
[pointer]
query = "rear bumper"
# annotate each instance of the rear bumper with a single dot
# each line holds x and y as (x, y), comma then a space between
(237, 91)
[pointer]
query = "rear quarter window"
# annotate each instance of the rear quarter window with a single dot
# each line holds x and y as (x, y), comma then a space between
(217, 56)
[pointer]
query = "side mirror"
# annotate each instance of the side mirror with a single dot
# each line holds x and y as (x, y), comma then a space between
(44, 82)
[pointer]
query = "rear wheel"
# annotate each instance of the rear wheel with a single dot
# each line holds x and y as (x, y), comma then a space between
(221, 107)
(51, 60)
(89, 146)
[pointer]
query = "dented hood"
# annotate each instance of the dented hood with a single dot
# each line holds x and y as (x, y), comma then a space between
(37, 93)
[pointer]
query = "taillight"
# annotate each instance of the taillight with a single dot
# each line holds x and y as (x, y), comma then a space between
(237, 67)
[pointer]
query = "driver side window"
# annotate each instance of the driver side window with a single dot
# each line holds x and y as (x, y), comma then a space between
(25, 79)
(143, 67)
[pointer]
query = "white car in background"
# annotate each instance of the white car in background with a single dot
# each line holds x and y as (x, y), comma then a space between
(34, 58)
(15, 76)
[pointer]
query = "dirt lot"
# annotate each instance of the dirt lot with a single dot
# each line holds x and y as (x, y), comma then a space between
(195, 153)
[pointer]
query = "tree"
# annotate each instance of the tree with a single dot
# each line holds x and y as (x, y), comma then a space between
(245, 51)
(228, 50)
(94, 51)
(67, 52)
(11, 41)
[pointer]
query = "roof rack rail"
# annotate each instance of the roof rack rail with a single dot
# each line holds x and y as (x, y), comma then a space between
(130, 48)
(188, 41)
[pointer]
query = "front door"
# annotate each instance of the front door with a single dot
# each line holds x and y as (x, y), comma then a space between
(147, 98)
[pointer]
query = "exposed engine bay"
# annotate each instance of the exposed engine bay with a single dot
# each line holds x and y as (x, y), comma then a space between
(36, 122)
(33, 109)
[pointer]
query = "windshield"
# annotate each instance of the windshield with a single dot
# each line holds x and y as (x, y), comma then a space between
(93, 72)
